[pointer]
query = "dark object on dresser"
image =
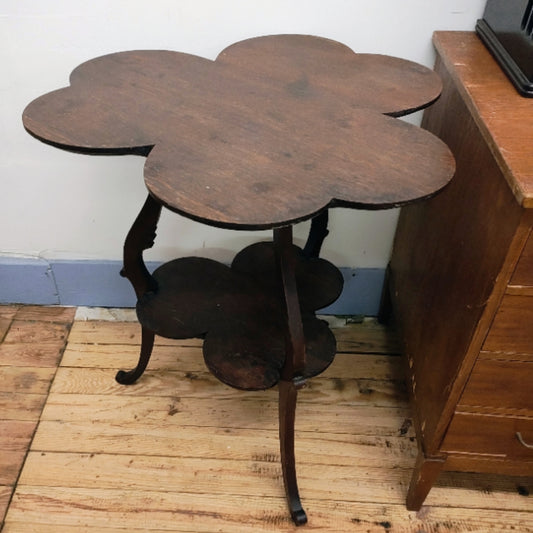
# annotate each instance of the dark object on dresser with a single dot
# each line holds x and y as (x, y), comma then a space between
(507, 30)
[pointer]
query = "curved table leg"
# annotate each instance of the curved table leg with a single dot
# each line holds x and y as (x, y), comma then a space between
(131, 376)
(317, 233)
(292, 374)
(288, 394)
(140, 237)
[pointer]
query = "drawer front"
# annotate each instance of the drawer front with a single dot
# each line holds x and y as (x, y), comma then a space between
(523, 274)
(498, 436)
(512, 328)
(500, 385)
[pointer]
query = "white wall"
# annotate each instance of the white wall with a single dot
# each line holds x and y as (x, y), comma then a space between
(61, 205)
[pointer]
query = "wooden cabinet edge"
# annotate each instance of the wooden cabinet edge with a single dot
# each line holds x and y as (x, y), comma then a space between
(467, 90)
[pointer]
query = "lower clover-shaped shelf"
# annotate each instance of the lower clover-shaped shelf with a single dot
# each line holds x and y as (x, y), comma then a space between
(239, 311)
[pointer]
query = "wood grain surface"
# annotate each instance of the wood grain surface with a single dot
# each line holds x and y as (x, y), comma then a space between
(523, 274)
(446, 261)
(182, 452)
(32, 340)
(459, 272)
(275, 130)
(503, 116)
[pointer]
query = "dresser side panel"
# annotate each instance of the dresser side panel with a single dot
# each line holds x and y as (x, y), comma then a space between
(447, 259)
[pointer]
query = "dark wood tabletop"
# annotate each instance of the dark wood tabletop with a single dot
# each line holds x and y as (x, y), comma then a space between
(274, 131)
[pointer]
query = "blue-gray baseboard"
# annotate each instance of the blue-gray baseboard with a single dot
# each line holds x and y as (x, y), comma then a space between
(98, 284)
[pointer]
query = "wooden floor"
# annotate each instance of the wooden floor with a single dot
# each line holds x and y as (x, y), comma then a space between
(180, 451)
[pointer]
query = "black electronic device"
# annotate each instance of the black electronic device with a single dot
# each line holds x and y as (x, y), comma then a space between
(507, 30)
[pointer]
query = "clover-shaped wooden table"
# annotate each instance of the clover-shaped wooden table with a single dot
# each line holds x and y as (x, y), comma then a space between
(274, 131)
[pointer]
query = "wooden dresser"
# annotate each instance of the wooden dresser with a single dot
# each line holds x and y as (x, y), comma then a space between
(461, 278)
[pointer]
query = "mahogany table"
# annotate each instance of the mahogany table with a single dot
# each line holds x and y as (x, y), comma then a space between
(276, 130)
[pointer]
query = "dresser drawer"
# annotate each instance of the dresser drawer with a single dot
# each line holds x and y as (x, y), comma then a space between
(512, 328)
(523, 274)
(490, 435)
(500, 385)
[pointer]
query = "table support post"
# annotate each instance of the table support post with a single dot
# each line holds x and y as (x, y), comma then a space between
(140, 237)
(317, 233)
(292, 374)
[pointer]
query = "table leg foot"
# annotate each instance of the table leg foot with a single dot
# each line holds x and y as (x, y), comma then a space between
(288, 393)
(299, 517)
(131, 376)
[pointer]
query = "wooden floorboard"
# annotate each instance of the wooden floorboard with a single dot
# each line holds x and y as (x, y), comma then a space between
(180, 451)
(32, 342)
